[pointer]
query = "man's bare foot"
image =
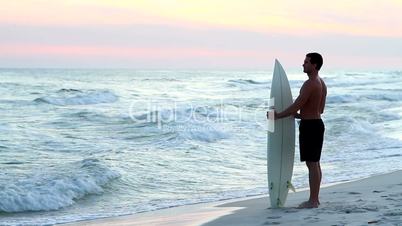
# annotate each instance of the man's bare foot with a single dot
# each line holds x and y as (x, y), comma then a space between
(308, 205)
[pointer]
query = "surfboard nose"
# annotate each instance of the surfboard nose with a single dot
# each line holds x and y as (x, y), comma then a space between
(277, 62)
(278, 65)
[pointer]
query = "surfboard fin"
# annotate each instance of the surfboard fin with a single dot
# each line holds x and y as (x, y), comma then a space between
(291, 187)
(279, 203)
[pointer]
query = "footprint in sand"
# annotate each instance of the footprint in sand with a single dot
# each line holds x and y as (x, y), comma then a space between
(350, 209)
(273, 217)
(272, 223)
(291, 211)
(311, 218)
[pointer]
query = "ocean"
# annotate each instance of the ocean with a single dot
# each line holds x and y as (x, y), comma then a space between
(86, 144)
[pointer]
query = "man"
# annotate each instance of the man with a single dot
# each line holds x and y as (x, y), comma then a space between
(311, 103)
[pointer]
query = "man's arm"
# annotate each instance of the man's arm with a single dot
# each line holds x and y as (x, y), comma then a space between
(323, 97)
(299, 102)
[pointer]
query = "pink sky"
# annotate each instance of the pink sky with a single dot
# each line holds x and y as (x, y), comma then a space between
(208, 34)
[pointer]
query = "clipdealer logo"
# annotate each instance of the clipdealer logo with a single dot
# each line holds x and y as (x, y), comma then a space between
(190, 116)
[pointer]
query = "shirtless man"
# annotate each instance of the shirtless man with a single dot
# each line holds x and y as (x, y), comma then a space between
(311, 103)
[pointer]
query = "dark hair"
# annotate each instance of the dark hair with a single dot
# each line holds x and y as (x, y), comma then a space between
(315, 58)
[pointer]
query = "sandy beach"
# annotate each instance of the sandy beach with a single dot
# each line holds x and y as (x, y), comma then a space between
(372, 201)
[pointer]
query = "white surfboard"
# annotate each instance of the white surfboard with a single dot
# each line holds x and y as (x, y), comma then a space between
(281, 142)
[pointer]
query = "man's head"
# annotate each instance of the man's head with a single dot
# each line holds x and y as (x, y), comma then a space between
(313, 61)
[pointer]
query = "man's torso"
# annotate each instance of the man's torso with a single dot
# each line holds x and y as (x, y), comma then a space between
(313, 107)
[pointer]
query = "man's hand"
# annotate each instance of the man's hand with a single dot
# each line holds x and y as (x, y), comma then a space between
(272, 114)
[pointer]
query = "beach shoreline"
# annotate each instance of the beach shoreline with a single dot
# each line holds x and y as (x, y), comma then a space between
(373, 200)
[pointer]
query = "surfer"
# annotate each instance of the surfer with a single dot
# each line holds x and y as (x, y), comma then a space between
(311, 103)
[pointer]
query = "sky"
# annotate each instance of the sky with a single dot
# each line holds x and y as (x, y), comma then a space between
(200, 34)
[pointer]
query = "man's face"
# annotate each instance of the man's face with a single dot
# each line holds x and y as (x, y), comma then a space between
(307, 66)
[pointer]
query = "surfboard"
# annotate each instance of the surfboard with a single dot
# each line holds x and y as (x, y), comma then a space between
(281, 141)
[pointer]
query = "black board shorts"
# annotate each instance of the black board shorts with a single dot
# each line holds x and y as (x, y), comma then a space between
(311, 138)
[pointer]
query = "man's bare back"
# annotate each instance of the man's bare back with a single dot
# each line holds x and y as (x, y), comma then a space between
(311, 100)
(315, 104)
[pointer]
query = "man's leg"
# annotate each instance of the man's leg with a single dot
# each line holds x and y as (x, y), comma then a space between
(314, 170)
(319, 169)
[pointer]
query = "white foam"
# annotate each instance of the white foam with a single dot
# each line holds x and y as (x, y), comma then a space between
(247, 81)
(94, 97)
(198, 124)
(55, 189)
(341, 99)
(348, 98)
(354, 131)
(248, 84)
(202, 133)
(395, 96)
(5, 127)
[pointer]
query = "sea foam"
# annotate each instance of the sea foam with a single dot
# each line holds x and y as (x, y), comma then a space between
(79, 98)
(55, 189)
